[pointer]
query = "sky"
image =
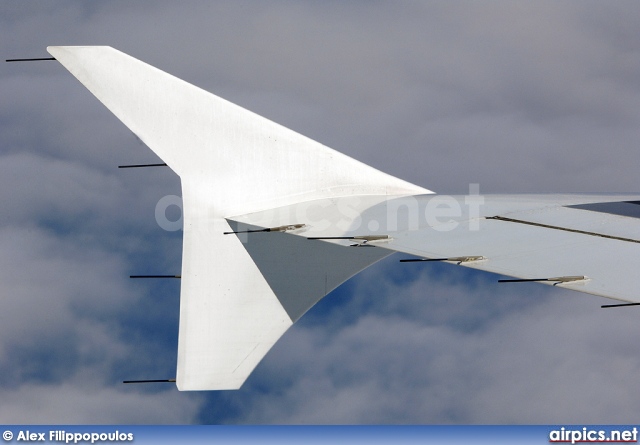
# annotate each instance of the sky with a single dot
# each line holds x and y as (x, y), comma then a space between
(518, 97)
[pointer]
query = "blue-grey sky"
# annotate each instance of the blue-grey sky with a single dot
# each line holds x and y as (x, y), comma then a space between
(515, 96)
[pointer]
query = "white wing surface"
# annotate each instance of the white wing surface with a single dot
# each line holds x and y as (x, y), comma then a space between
(273, 221)
(529, 237)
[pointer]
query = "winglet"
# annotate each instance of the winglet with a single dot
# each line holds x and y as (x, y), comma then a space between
(232, 162)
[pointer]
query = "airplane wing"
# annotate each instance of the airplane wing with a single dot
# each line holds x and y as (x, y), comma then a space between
(586, 243)
(273, 221)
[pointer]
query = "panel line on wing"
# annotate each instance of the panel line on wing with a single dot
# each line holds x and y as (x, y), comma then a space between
(547, 226)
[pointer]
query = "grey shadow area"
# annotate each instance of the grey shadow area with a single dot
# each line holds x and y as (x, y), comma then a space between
(630, 209)
(301, 271)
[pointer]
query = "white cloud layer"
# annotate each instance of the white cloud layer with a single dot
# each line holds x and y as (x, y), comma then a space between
(539, 359)
(516, 96)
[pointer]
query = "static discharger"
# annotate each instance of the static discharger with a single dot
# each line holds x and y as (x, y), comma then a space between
(288, 228)
(150, 381)
(454, 259)
(30, 60)
(619, 305)
(155, 276)
(557, 280)
(142, 165)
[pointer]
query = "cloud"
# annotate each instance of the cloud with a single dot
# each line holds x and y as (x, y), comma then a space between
(517, 97)
(70, 403)
(63, 342)
(552, 357)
